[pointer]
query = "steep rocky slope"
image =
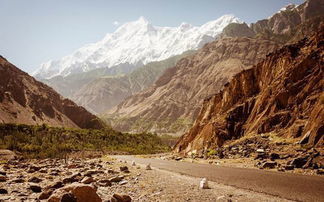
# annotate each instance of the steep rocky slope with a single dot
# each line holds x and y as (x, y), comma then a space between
(25, 100)
(174, 101)
(286, 25)
(106, 92)
(282, 94)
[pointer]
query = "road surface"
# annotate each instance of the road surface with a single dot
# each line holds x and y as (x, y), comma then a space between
(285, 185)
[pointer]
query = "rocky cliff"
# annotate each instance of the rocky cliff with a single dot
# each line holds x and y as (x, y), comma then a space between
(289, 24)
(174, 101)
(25, 100)
(282, 94)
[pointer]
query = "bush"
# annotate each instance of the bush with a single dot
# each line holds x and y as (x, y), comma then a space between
(54, 142)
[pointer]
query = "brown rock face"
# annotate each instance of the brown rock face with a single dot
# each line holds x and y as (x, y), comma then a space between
(25, 100)
(174, 101)
(286, 23)
(281, 94)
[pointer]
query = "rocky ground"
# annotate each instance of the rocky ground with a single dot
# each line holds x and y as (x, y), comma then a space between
(106, 179)
(266, 151)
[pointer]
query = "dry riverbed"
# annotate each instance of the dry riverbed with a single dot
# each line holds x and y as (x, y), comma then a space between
(50, 179)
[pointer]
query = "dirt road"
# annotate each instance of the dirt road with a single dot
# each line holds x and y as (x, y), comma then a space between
(285, 185)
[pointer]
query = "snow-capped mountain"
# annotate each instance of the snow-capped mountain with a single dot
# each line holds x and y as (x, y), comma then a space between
(134, 44)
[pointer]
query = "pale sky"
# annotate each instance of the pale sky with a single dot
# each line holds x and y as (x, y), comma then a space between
(35, 31)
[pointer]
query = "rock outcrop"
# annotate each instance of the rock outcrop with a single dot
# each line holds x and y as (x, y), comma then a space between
(173, 102)
(282, 94)
(25, 100)
(285, 21)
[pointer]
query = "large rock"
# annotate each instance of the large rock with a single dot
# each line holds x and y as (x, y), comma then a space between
(82, 193)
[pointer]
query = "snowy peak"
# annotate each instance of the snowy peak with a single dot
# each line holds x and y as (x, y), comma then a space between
(134, 44)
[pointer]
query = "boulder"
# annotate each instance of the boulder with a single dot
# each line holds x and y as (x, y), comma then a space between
(82, 193)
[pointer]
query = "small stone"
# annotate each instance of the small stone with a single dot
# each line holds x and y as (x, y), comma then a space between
(45, 194)
(123, 182)
(124, 169)
(87, 180)
(56, 185)
(35, 180)
(203, 184)
(18, 180)
(35, 188)
(178, 158)
(260, 150)
(3, 178)
(299, 162)
(148, 167)
(3, 191)
(120, 198)
(274, 156)
(289, 167)
(116, 179)
(133, 163)
(269, 165)
(320, 172)
(104, 183)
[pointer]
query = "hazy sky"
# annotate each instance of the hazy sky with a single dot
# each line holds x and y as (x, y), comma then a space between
(35, 31)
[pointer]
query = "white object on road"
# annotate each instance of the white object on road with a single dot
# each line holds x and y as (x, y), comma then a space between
(148, 167)
(203, 184)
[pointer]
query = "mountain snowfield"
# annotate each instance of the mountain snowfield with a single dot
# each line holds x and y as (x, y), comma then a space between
(135, 44)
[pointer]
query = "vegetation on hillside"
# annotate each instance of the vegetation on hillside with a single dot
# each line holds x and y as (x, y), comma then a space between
(43, 141)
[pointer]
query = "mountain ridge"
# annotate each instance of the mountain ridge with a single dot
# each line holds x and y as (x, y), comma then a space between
(23, 99)
(135, 44)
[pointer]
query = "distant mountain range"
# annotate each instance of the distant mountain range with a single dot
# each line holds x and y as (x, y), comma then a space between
(99, 76)
(135, 44)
